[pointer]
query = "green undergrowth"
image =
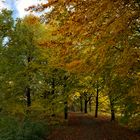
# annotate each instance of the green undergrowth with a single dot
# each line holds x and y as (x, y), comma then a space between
(13, 129)
(132, 122)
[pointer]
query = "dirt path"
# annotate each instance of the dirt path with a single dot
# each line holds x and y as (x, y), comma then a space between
(85, 127)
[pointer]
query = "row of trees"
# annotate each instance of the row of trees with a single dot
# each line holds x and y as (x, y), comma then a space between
(33, 77)
(106, 35)
(83, 50)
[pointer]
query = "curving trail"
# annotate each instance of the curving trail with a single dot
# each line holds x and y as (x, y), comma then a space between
(85, 127)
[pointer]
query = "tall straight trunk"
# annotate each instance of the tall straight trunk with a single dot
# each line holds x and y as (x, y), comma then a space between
(85, 109)
(90, 105)
(66, 110)
(112, 115)
(53, 94)
(112, 107)
(81, 104)
(28, 96)
(112, 111)
(65, 99)
(28, 89)
(97, 102)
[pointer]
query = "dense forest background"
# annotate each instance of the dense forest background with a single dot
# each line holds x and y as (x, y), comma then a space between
(79, 55)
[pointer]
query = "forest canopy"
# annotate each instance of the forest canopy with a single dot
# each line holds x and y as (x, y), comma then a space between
(80, 55)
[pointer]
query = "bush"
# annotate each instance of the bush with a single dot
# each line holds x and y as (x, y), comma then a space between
(12, 129)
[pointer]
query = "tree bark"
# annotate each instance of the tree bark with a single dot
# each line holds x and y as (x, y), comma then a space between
(66, 110)
(81, 104)
(112, 111)
(53, 96)
(90, 105)
(85, 110)
(28, 90)
(97, 102)
(65, 100)
(28, 96)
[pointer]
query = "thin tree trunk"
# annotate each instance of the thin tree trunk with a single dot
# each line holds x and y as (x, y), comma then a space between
(66, 110)
(112, 115)
(81, 104)
(53, 94)
(97, 102)
(90, 105)
(112, 111)
(65, 100)
(28, 96)
(28, 90)
(86, 102)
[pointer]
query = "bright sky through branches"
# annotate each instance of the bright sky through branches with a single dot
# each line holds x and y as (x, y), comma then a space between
(18, 6)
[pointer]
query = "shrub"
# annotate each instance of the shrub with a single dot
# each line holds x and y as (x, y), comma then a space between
(12, 129)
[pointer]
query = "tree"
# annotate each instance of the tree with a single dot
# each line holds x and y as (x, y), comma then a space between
(6, 29)
(23, 56)
(86, 91)
(93, 37)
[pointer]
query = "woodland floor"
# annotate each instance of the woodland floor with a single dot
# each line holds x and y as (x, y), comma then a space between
(86, 127)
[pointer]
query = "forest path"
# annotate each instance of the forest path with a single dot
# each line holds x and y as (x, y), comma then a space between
(86, 127)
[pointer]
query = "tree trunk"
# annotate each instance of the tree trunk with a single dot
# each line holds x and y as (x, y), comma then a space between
(90, 105)
(65, 100)
(66, 110)
(112, 111)
(112, 115)
(86, 102)
(97, 102)
(53, 96)
(28, 96)
(28, 90)
(81, 104)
